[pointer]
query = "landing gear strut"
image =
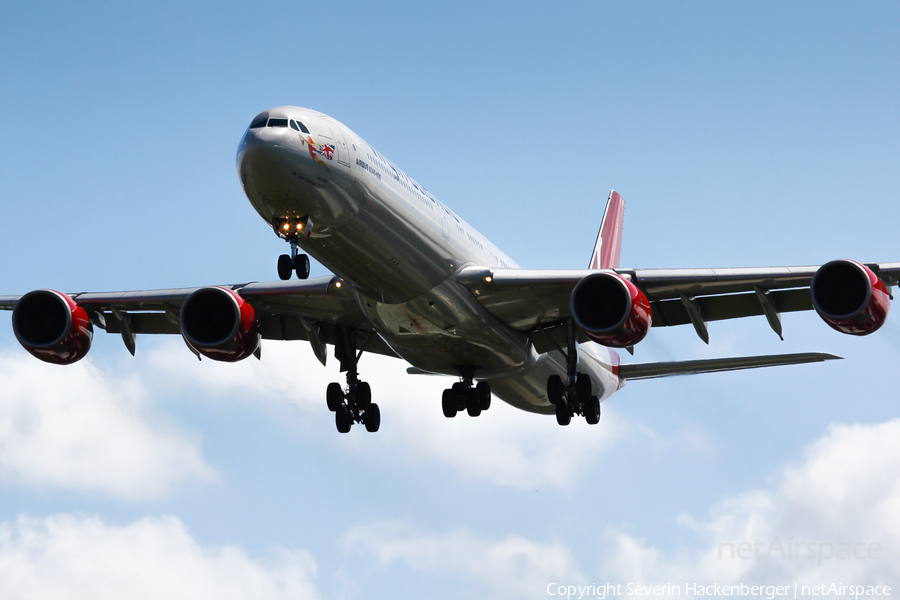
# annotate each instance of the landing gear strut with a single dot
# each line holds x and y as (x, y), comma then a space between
(573, 397)
(464, 396)
(353, 405)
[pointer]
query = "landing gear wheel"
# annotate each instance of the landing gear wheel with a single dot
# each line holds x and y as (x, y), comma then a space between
(563, 414)
(592, 411)
(555, 389)
(459, 392)
(473, 403)
(334, 396)
(363, 395)
(343, 419)
(483, 392)
(285, 267)
(448, 403)
(301, 265)
(372, 418)
(583, 388)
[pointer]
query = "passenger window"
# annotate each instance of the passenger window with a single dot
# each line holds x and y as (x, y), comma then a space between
(302, 127)
(294, 125)
(258, 122)
(278, 122)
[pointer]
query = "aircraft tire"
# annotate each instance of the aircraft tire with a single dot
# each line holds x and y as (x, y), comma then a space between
(363, 395)
(448, 403)
(592, 411)
(563, 415)
(459, 392)
(473, 403)
(285, 267)
(334, 396)
(301, 266)
(555, 389)
(583, 388)
(483, 392)
(372, 418)
(343, 419)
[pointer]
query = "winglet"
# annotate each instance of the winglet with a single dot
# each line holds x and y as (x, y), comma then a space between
(609, 241)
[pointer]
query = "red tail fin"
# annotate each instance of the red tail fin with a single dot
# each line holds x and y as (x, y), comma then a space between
(609, 240)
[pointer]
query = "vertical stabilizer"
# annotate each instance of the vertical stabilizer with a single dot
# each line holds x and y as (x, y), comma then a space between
(609, 240)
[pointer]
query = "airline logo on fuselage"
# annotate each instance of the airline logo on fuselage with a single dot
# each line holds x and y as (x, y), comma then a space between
(317, 150)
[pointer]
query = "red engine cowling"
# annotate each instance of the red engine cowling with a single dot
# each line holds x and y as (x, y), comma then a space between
(52, 327)
(220, 324)
(850, 297)
(611, 310)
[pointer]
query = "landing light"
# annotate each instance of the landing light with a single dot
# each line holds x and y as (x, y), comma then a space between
(299, 226)
(337, 284)
(287, 226)
(488, 279)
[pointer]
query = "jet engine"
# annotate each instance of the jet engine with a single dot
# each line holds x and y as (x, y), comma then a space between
(52, 327)
(611, 310)
(850, 297)
(219, 324)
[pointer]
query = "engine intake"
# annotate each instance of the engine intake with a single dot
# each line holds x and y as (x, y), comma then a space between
(850, 297)
(52, 327)
(611, 310)
(219, 324)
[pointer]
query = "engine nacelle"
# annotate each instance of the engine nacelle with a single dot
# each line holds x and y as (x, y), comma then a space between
(850, 297)
(52, 327)
(219, 324)
(611, 310)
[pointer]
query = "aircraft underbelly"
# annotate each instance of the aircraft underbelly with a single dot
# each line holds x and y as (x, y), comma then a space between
(446, 329)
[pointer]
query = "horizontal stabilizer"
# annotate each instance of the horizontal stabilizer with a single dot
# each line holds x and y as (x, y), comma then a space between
(714, 365)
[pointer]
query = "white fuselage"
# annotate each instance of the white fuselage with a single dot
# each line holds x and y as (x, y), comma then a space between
(399, 247)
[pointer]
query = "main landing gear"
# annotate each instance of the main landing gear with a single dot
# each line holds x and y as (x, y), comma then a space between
(573, 397)
(463, 396)
(355, 404)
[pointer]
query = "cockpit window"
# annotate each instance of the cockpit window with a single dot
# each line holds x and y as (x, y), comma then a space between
(299, 126)
(258, 122)
(294, 125)
(278, 122)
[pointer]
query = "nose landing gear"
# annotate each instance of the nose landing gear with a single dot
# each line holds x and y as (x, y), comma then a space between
(292, 230)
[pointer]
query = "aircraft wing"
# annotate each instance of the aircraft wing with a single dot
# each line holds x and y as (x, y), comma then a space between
(531, 299)
(635, 371)
(314, 309)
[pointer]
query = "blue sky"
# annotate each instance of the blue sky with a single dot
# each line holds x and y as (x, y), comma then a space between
(740, 135)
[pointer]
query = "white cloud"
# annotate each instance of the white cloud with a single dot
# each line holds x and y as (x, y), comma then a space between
(842, 501)
(78, 557)
(77, 427)
(511, 567)
(846, 490)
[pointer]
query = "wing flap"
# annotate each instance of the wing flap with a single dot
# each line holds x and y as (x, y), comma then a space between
(715, 365)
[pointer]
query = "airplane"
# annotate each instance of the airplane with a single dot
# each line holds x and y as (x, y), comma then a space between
(411, 279)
